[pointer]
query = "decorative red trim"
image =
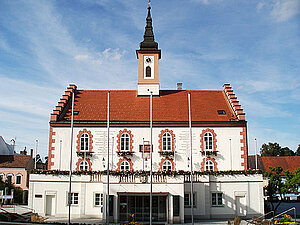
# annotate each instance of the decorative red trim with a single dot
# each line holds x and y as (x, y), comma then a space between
(125, 159)
(160, 139)
(90, 139)
(244, 148)
(82, 159)
(207, 159)
(163, 160)
(51, 149)
(130, 139)
(214, 139)
(232, 100)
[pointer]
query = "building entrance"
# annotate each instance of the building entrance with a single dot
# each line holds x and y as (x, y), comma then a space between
(139, 205)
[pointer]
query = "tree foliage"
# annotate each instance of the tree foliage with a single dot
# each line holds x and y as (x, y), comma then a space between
(281, 183)
(274, 149)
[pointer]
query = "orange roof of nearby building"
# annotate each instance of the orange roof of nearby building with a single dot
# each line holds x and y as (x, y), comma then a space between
(171, 106)
(285, 162)
(15, 161)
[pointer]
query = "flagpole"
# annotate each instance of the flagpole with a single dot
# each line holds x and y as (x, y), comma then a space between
(191, 141)
(255, 154)
(143, 154)
(151, 157)
(107, 205)
(70, 172)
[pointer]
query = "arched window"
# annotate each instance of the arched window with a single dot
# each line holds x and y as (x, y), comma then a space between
(83, 165)
(167, 165)
(148, 71)
(125, 166)
(209, 165)
(208, 141)
(167, 141)
(84, 142)
(125, 139)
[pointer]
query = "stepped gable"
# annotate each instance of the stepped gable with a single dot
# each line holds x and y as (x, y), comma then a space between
(63, 104)
(234, 103)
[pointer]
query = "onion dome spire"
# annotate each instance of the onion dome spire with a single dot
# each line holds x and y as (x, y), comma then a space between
(148, 43)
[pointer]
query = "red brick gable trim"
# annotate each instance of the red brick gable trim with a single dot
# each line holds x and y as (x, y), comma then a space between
(51, 149)
(125, 159)
(207, 159)
(130, 139)
(234, 103)
(244, 148)
(82, 159)
(214, 139)
(163, 160)
(160, 139)
(90, 139)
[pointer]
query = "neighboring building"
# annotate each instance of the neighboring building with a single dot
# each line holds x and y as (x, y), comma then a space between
(16, 169)
(6, 149)
(219, 140)
(264, 163)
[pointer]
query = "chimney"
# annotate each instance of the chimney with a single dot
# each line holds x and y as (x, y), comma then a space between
(179, 86)
(31, 153)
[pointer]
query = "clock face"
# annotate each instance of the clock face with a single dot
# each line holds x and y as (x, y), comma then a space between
(148, 60)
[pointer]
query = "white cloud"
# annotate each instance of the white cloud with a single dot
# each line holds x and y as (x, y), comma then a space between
(281, 10)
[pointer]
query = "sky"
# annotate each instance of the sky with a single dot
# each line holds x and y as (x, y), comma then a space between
(253, 45)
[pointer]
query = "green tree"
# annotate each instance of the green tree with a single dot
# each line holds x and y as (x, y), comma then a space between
(286, 152)
(281, 183)
(271, 149)
(298, 151)
(274, 149)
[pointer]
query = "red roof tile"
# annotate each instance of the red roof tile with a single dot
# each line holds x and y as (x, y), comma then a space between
(170, 106)
(285, 162)
(15, 161)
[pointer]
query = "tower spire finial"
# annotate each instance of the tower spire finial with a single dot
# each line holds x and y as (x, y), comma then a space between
(148, 43)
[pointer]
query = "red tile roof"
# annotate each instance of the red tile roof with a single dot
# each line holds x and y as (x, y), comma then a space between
(285, 162)
(15, 161)
(170, 106)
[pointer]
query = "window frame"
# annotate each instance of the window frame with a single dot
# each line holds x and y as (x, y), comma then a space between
(217, 198)
(164, 164)
(84, 142)
(98, 201)
(72, 200)
(16, 179)
(208, 145)
(86, 167)
(187, 200)
(122, 165)
(208, 167)
(125, 142)
(11, 177)
(167, 142)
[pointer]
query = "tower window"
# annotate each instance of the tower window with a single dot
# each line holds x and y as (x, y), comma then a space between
(148, 71)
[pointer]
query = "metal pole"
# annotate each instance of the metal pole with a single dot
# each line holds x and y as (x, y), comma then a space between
(143, 155)
(107, 204)
(230, 153)
(60, 144)
(151, 157)
(70, 171)
(36, 149)
(112, 154)
(255, 153)
(191, 151)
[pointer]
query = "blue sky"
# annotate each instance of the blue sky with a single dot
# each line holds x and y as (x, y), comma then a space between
(253, 45)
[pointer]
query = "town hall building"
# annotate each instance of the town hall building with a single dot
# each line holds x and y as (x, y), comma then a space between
(204, 130)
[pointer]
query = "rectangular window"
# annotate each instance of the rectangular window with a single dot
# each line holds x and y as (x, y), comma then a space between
(217, 199)
(9, 178)
(98, 199)
(188, 200)
(176, 205)
(18, 179)
(74, 198)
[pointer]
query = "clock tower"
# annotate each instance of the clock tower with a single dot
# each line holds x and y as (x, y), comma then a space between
(148, 56)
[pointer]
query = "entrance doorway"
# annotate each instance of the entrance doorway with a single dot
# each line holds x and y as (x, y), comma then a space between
(50, 205)
(139, 205)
